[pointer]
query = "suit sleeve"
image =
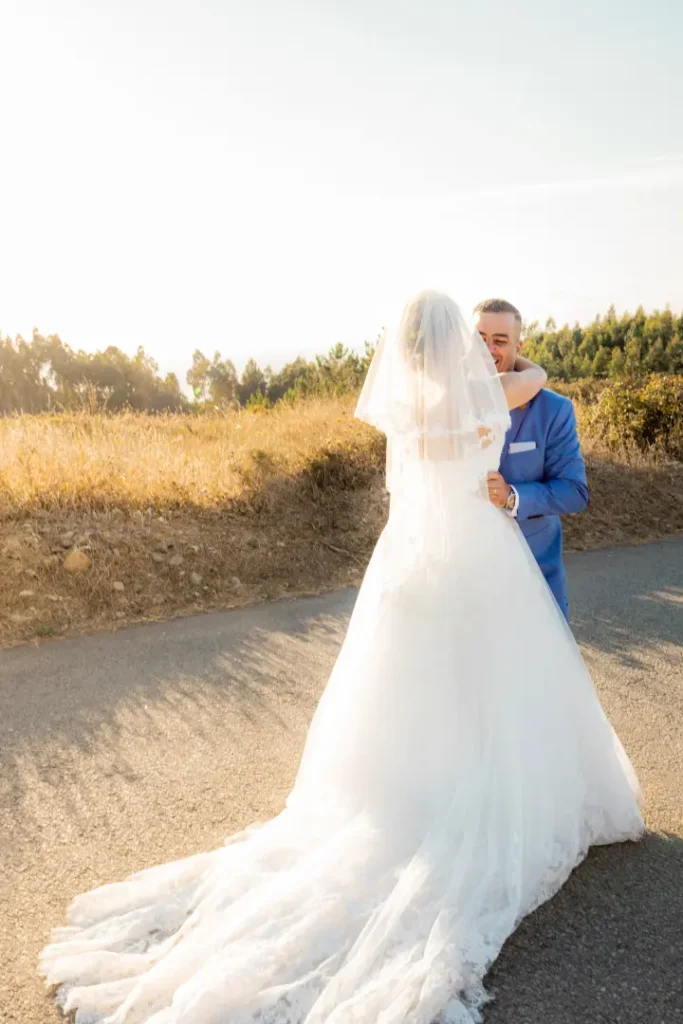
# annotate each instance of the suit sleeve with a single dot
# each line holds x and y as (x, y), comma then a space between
(563, 488)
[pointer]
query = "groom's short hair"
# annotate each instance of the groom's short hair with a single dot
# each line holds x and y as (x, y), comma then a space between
(498, 306)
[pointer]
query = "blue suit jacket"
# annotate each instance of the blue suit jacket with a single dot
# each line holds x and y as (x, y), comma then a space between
(542, 460)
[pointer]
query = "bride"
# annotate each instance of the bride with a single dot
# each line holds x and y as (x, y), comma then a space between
(457, 769)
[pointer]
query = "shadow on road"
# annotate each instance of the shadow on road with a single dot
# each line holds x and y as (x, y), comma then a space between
(606, 949)
(645, 603)
(203, 681)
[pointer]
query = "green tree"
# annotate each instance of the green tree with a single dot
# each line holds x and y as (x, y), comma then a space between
(253, 380)
(616, 366)
(655, 359)
(284, 380)
(198, 375)
(632, 351)
(674, 354)
(601, 363)
(223, 383)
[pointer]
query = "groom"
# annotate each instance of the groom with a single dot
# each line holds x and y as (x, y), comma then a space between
(542, 474)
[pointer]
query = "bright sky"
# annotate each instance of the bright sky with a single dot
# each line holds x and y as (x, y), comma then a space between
(269, 177)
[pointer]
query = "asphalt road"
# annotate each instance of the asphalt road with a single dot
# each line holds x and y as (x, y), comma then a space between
(118, 751)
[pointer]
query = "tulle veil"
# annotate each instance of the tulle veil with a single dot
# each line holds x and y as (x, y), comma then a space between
(433, 389)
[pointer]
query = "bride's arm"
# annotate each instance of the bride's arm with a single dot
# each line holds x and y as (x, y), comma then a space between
(520, 386)
(523, 383)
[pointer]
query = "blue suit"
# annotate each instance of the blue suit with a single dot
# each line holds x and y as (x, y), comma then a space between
(542, 460)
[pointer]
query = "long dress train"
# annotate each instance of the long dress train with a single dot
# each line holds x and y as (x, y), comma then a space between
(457, 769)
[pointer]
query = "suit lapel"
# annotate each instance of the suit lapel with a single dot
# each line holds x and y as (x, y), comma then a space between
(517, 417)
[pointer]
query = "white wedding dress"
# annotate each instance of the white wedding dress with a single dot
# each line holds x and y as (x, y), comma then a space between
(457, 769)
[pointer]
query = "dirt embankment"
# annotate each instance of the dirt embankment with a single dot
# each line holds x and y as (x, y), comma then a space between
(108, 521)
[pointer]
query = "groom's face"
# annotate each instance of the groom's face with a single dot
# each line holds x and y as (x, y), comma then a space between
(501, 332)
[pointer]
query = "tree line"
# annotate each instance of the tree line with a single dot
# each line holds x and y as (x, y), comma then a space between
(610, 346)
(216, 383)
(43, 374)
(46, 375)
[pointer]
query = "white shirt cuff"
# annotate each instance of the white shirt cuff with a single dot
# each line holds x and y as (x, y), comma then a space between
(515, 508)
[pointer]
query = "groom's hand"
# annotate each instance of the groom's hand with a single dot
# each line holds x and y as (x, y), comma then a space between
(499, 490)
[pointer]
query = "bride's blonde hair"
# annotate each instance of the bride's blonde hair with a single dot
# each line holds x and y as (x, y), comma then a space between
(413, 329)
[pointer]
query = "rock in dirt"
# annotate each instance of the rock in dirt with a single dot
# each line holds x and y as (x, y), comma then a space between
(77, 561)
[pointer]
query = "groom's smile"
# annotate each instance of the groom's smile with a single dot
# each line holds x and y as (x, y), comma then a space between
(501, 333)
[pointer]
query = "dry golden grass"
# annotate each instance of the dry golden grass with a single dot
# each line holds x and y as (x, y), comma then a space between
(179, 514)
(79, 462)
